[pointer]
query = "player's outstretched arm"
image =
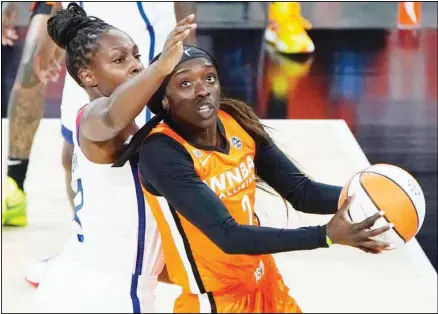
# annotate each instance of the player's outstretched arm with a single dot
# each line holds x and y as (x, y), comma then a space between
(106, 117)
(303, 193)
(167, 169)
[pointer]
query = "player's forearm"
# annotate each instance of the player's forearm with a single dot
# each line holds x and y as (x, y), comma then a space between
(167, 169)
(26, 102)
(304, 194)
(253, 240)
(183, 9)
(26, 107)
(129, 99)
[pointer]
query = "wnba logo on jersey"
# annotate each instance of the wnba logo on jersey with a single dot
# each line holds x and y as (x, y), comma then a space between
(197, 153)
(259, 272)
(236, 142)
(231, 182)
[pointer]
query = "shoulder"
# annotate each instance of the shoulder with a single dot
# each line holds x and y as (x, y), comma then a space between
(162, 159)
(158, 149)
(94, 108)
(161, 141)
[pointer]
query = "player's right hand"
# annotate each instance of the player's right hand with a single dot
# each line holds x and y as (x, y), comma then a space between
(341, 230)
(9, 18)
(173, 47)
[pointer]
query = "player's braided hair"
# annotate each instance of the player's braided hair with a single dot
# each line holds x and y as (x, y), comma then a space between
(72, 30)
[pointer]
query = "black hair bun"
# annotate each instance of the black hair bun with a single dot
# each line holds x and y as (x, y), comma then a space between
(64, 25)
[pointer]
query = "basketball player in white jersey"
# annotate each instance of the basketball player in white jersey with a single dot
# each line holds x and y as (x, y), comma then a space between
(148, 23)
(112, 261)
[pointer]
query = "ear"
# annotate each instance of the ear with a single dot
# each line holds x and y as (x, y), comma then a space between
(87, 78)
(165, 103)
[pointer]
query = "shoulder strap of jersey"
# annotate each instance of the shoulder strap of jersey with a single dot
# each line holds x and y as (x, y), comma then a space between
(78, 121)
(233, 128)
(165, 129)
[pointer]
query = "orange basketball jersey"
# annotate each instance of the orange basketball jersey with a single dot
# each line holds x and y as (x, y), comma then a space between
(194, 262)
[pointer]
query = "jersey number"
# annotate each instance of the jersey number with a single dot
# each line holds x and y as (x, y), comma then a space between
(246, 206)
(78, 207)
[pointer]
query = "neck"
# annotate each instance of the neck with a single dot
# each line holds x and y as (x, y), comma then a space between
(197, 136)
(94, 93)
(207, 136)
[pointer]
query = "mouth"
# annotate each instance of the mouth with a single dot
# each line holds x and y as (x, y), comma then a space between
(206, 110)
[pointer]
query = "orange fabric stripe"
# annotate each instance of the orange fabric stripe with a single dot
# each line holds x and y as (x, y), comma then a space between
(393, 200)
(176, 270)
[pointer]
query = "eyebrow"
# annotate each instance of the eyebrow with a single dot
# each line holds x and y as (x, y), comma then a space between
(208, 65)
(122, 48)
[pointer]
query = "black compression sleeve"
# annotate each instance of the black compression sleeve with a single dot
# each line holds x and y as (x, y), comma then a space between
(304, 194)
(166, 168)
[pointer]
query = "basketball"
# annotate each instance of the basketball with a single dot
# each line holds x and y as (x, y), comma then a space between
(394, 191)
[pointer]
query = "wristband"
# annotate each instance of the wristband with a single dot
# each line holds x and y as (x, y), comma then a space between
(328, 240)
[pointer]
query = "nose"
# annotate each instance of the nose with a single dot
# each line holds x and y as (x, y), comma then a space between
(135, 67)
(201, 90)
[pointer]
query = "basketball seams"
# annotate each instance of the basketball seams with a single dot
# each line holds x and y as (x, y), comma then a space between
(347, 193)
(404, 191)
(347, 190)
(378, 208)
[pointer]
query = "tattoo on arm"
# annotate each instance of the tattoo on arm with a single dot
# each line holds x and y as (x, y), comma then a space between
(26, 104)
(26, 107)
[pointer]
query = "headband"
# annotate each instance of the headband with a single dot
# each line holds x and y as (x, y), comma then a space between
(189, 53)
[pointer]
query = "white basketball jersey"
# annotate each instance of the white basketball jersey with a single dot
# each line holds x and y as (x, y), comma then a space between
(147, 23)
(116, 233)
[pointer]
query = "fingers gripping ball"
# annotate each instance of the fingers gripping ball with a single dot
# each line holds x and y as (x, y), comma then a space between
(394, 191)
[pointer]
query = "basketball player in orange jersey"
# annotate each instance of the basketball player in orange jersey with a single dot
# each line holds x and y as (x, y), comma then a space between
(204, 159)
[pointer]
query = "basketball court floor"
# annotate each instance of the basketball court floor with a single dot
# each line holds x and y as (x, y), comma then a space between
(339, 279)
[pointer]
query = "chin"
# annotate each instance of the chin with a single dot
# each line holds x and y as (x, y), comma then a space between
(207, 123)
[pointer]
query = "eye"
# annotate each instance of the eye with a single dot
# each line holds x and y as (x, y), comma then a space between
(211, 79)
(186, 84)
(119, 60)
(137, 56)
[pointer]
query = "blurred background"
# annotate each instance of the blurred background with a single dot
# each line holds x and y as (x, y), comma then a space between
(367, 68)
